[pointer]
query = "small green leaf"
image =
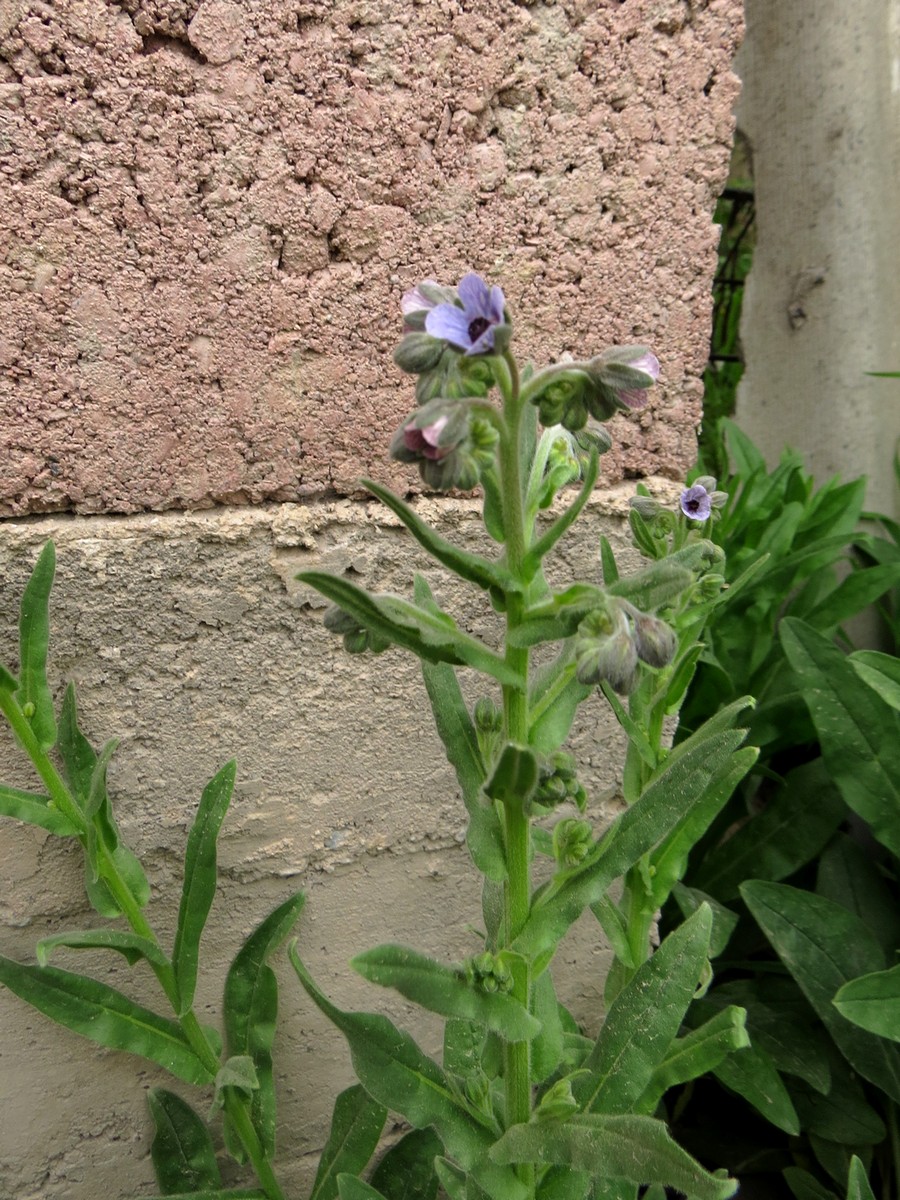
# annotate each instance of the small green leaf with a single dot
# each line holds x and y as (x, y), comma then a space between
(250, 1009)
(182, 1150)
(352, 1188)
(356, 1125)
(445, 990)
(752, 1074)
(8, 681)
(608, 562)
(35, 810)
(215, 1194)
(34, 693)
(451, 1179)
(806, 1186)
(881, 672)
(724, 920)
(698, 1052)
(514, 778)
(237, 1072)
(472, 567)
(619, 1147)
(199, 885)
(545, 543)
(873, 1002)
(858, 1186)
(406, 1171)
(105, 1016)
(130, 945)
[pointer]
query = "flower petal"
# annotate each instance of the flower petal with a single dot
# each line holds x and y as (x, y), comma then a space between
(475, 295)
(450, 323)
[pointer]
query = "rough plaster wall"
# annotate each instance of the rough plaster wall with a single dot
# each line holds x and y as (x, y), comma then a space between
(211, 208)
(188, 637)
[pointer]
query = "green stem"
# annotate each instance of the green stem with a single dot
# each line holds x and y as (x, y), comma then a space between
(517, 891)
(59, 793)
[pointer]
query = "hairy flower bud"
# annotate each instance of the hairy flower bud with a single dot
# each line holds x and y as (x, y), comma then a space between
(418, 353)
(645, 506)
(605, 650)
(654, 641)
(623, 375)
(488, 973)
(572, 839)
(488, 717)
(450, 445)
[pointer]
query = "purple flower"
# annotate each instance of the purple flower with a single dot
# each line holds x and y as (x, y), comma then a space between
(471, 327)
(425, 443)
(625, 373)
(696, 503)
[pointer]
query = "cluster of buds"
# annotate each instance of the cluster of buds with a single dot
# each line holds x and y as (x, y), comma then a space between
(450, 441)
(357, 639)
(613, 639)
(557, 784)
(572, 839)
(487, 972)
(614, 381)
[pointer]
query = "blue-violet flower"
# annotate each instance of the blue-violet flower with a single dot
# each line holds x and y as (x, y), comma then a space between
(696, 503)
(471, 324)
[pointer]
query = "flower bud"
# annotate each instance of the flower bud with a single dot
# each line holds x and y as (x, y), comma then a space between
(488, 717)
(605, 650)
(654, 641)
(623, 375)
(572, 839)
(645, 506)
(558, 1102)
(418, 353)
(488, 973)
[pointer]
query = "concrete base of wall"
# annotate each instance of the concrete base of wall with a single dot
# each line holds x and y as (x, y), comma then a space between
(189, 639)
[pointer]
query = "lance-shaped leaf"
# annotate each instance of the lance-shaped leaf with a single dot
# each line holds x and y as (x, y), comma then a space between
(752, 1074)
(691, 769)
(182, 1150)
(724, 920)
(635, 1148)
(250, 1009)
(562, 1183)
(644, 1020)
(881, 672)
(557, 617)
(693, 1055)
(445, 990)
(853, 594)
(484, 835)
(472, 567)
(105, 1016)
(77, 753)
(130, 945)
(859, 733)
(858, 1186)
(824, 946)
(452, 1179)
(406, 1171)
(35, 810)
(849, 875)
(805, 1186)
(356, 1125)
(198, 888)
(433, 638)
(514, 778)
(34, 695)
(237, 1073)
(393, 1069)
(548, 539)
(873, 1002)
(553, 702)
(663, 581)
(788, 833)
(845, 1115)
(8, 681)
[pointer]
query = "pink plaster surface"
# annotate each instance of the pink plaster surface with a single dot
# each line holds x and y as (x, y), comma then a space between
(210, 208)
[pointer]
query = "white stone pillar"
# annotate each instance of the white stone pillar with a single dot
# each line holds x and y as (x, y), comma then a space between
(821, 107)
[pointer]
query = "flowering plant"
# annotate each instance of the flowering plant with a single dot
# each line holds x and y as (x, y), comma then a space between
(522, 1106)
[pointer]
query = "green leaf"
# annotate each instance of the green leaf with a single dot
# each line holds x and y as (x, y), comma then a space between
(824, 946)
(788, 833)
(451, 1179)
(644, 1019)
(858, 1186)
(445, 990)
(693, 1055)
(198, 888)
(182, 1150)
(724, 920)
(237, 1072)
(356, 1126)
(752, 1074)
(806, 1186)
(35, 810)
(619, 1147)
(217, 1194)
(548, 539)
(432, 638)
(608, 562)
(75, 750)
(406, 1171)
(34, 695)
(655, 585)
(691, 769)
(463, 1045)
(850, 876)
(105, 1016)
(514, 778)
(8, 681)
(130, 945)
(351, 1188)
(860, 589)
(553, 702)
(873, 1002)
(548, 1048)
(484, 836)
(859, 734)
(881, 672)
(250, 1009)
(844, 1116)
(393, 1069)
(472, 567)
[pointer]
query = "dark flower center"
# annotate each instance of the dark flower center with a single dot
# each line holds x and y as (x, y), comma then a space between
(693, 505)
(477, 327)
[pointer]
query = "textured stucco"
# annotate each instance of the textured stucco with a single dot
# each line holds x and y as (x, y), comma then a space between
(189, 639)
(210, 210)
